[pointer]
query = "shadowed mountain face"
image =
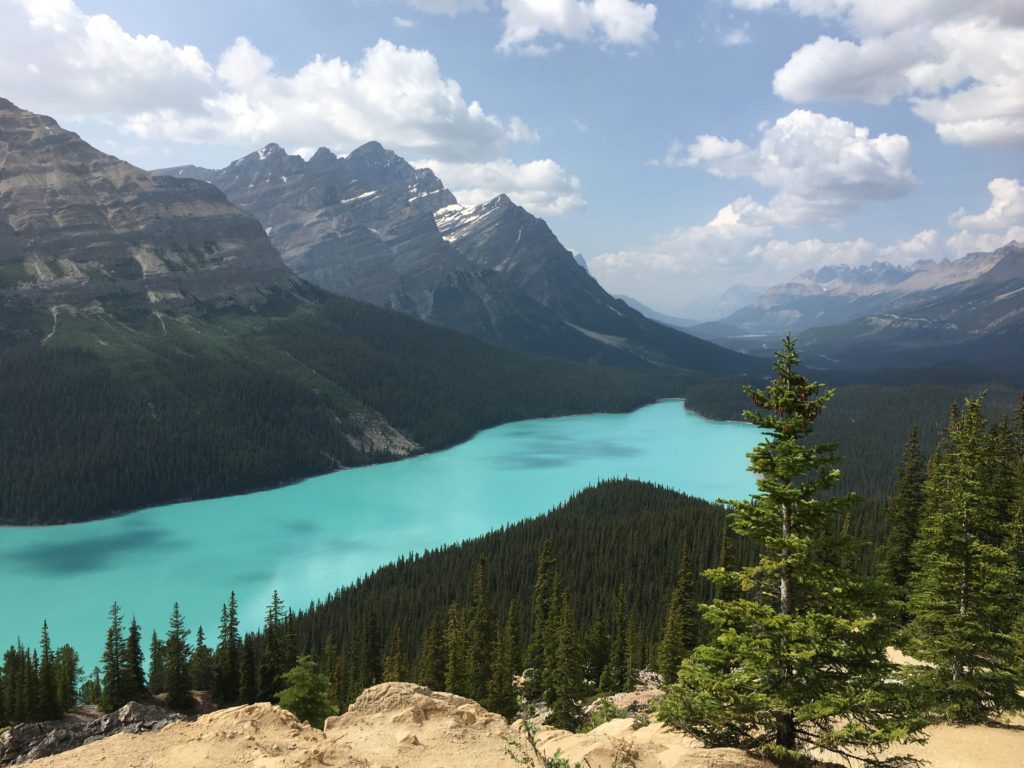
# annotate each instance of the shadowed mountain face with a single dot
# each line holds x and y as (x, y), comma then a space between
(372, 227)
(81, 228)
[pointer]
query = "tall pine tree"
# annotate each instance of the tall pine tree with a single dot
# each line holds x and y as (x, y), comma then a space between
(963, 594)
(176, 658)
(679, 636)
(799, 664)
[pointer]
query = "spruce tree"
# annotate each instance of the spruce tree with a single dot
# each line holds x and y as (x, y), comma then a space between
(567, 673)
(227, 658)
(963, 593)
(502, 696)
(248, 681)
(480, 636)
(157, 677)
(49, 706)
(114, 669)
(537, 650)
(679, 636)
(201, 664)
(176, 658)
(597, 647)
(68, 673)
(433, 657)
(799, 664)
(134, 677)
(307, 693)
(456, 679)
(726, 588)
(619, 674)
(272, 651)
(394, 656)
(903, 514)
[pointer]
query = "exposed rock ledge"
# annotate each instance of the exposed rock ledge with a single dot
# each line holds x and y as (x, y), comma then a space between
(401, 725)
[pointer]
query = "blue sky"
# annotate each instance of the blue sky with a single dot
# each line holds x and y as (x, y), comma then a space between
(833, 130)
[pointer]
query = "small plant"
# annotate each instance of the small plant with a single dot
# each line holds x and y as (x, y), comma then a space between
(531, 754)
(606, 711)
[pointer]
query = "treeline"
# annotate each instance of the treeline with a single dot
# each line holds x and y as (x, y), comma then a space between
(106, 419)
(38, 684)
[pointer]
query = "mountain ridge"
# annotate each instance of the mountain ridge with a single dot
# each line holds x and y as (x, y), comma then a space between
(372, 227)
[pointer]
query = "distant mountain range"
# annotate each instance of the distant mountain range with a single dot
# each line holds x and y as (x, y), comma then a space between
(154, 346)
(372, 227)
(881, 315)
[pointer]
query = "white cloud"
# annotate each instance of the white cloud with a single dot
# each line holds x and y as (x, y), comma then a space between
(1002, 222)
(56, 58)
(529, 24)
(823, 168)
(737, 36)
(403, 23)
(449, 7)
(959, 64)
(543, 187)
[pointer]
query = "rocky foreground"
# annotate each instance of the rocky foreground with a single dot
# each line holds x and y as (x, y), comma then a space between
(401, 725)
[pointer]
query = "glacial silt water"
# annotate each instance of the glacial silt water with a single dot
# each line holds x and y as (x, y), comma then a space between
(307, 539)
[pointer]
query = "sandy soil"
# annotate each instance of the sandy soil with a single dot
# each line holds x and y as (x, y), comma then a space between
(400, 725)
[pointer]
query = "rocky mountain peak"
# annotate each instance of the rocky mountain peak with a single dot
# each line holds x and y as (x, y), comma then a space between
(322, 158)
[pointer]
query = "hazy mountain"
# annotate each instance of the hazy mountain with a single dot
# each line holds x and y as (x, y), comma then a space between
(838, 294)
(653, 314)
(372, 227)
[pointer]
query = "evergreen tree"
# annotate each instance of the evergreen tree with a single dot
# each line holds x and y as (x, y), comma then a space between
(176, 658)
(433, 657)
(502, 695)
(92, 689)
(679, 636)
(114, 663)
(48, 704)
(597, 648)
(307, 694)
(248, 683)
(903, 513)
(272, 652)
(227, 658)
(68, 672)
(619, 674)
(394, 656)
(726, 589)
(963, 593)
(456, 678)
(567, 674)
(802, 666)
(537, 650)
(201, 667)
(480, 636)
(134, 677)
(157, 675)
(369, 668)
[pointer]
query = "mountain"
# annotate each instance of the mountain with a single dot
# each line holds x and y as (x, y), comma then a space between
(154, 347)
(372, 227)
(839, 294)
(978, 318)
(82, 228)
(653, 314)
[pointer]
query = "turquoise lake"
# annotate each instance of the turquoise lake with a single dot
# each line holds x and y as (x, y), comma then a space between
(307, 539)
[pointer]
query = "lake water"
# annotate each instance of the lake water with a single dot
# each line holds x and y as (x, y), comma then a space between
(307, 539)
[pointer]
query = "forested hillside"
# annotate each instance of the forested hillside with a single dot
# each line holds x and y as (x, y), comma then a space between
(111, 415)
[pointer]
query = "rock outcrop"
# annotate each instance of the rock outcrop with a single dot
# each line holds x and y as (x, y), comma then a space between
(31, 741)
(401, 725)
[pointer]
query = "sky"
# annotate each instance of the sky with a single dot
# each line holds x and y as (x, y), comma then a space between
(683, 147)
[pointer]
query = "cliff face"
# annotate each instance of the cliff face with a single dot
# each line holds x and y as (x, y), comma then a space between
(78, 226)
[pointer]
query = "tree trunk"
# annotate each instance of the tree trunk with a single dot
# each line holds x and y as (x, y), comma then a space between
(785, 731)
